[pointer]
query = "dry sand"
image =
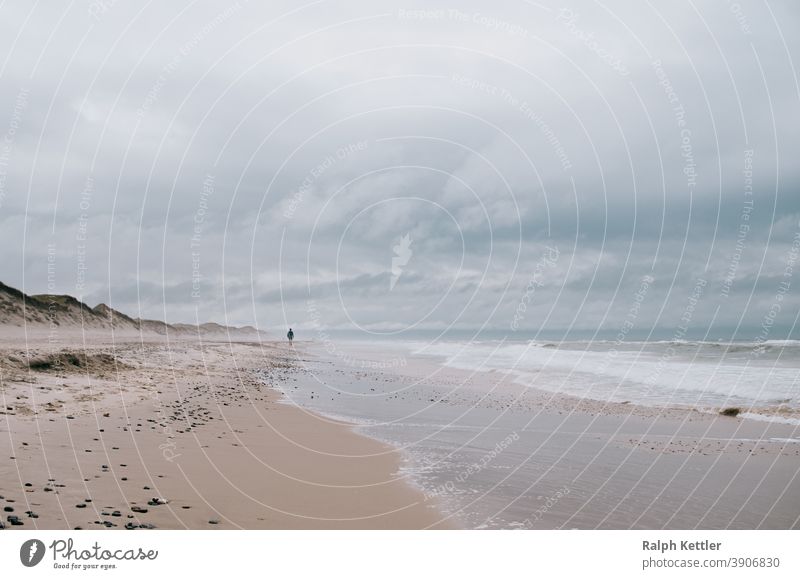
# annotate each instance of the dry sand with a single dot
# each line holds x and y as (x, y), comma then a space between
(97, 430)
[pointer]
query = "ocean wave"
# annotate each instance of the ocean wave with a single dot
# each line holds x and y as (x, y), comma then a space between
(657, 374)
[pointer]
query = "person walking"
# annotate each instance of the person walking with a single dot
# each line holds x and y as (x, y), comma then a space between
(290, 335)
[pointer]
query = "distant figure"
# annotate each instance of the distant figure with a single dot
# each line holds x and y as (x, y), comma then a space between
(290, 335)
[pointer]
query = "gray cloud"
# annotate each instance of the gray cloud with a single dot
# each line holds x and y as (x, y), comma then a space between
(235, 162)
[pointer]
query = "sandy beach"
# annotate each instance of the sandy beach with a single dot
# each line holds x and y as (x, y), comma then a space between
(182, 435)
(200, 434)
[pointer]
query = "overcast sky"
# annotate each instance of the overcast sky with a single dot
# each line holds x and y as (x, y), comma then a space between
(388, 166)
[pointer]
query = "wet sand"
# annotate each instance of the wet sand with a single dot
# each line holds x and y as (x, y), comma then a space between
(498, 454)
(182, 436)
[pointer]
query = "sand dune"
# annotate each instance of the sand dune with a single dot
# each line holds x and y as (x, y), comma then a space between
(48, 312)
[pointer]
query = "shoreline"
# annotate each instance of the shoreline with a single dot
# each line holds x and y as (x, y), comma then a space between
(626, 466)
(271, 436)
(193, 426)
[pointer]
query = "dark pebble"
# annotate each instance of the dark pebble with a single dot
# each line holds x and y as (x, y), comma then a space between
(132, 526)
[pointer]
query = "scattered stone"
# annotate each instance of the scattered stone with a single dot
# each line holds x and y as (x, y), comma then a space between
(213, 522)
(139, 509)
(80, 506)
(8, 509)
(155, 501)
(131, 526)
(14, 520)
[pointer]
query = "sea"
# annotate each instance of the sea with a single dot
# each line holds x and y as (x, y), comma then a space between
(490, 463)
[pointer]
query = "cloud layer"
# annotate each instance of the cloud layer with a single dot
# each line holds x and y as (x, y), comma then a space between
(259, 164)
